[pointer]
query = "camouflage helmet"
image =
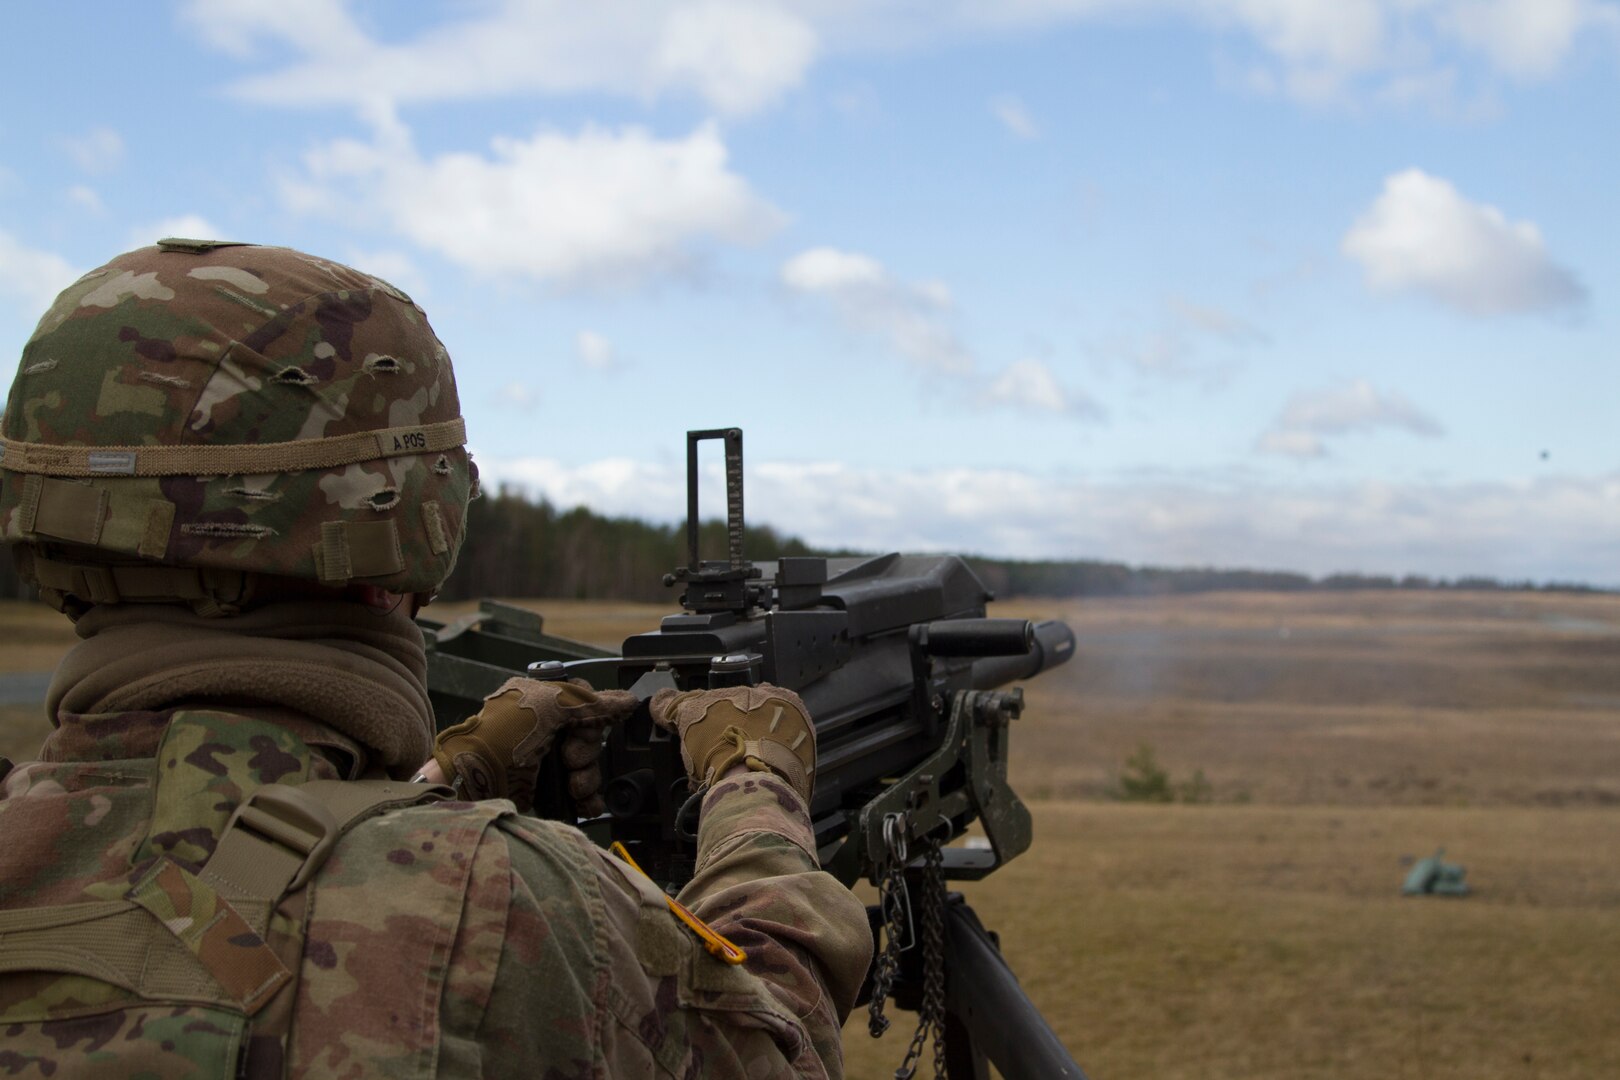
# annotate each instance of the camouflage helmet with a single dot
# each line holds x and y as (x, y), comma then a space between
(196, 414)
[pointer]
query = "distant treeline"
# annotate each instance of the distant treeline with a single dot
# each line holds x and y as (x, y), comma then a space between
(519, 547)
(1089, 577)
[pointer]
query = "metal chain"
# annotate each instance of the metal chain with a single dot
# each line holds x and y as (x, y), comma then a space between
(931, 1014)
(934, 951)
(895, 905)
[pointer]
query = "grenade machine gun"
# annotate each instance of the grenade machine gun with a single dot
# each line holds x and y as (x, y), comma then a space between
(907, 682)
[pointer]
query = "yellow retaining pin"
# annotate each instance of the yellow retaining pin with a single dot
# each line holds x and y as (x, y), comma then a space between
(715, 943)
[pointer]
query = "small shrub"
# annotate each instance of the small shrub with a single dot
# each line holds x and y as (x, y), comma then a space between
(1196, 789)
(1143, 779)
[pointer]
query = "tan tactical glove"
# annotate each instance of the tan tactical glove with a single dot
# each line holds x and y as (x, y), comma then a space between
(495, 753)
(763, 727)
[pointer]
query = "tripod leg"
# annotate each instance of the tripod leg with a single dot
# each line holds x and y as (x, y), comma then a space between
(983, 996)
(963, 1058)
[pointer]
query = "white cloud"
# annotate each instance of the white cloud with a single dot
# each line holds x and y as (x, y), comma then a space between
(1295, 444)
(740, 56)
(514, 395)
(1422, 234)
(187, 226)
(236, 26)
(1313, 51)
(1031, 385)
(600, 207)
(1217, 323)
(830, 270)
(1321, 43)
(618, 486)
(1443, 92)
(97, 150)
(1356, 406)
(85, 198)
(1554, 528)
(1014, 116)
(912, 318)
(1179, 348)
(1527, 38)
(1324, 50)
(736, 55)
(595, 351)
(31, 277)
(1353, 407)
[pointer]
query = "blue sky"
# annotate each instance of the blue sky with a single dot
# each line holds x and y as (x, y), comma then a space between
(1310, 284)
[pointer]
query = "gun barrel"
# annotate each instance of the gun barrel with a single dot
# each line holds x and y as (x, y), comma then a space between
(1053, 645)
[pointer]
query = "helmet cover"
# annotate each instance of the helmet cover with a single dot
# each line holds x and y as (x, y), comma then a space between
(237, 410)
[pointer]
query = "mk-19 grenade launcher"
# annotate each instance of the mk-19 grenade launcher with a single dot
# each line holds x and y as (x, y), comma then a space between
(903, 675)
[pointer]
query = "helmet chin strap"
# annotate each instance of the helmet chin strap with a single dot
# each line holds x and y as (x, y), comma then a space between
(384, 602)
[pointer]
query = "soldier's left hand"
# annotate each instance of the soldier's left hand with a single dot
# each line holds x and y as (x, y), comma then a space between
(763, 728)
(495, 753)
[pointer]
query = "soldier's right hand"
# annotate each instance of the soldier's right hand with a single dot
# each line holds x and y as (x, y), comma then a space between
(496, 752)
(764, 728)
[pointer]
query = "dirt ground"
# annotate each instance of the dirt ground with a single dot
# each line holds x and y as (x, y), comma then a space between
(1262, 935)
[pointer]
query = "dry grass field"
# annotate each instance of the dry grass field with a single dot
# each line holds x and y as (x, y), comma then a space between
(1262, 935)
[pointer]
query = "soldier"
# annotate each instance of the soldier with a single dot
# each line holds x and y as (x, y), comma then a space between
(239, 470)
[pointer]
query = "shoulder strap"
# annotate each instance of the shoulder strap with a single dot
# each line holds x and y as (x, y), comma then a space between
(202, 938)
(272, 845)
(281, 834)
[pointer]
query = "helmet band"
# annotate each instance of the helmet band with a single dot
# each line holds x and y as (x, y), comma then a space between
(232, 460)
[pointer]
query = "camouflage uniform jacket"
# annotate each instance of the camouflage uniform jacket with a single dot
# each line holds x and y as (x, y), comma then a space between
(448, 939)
